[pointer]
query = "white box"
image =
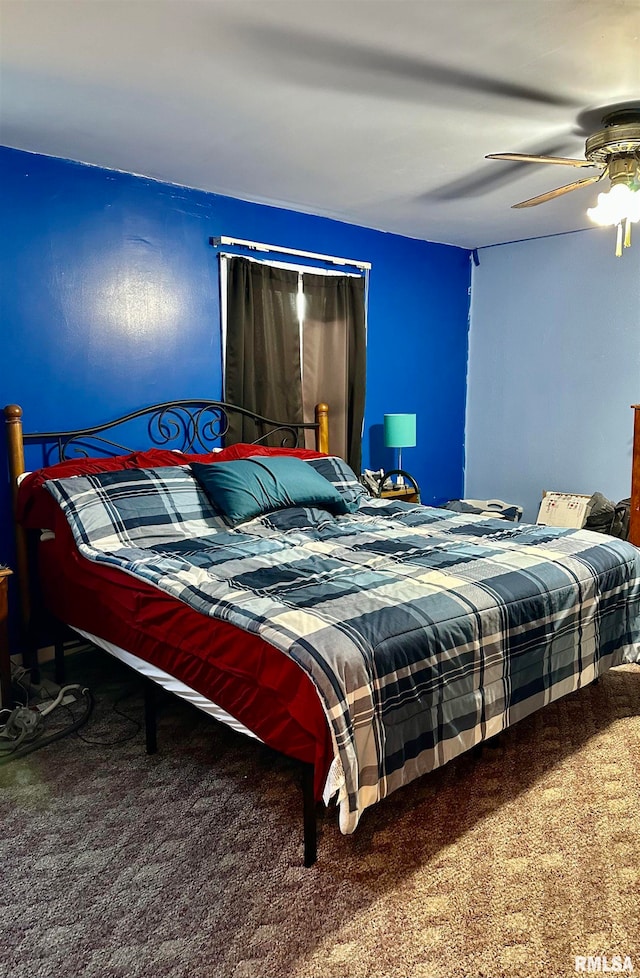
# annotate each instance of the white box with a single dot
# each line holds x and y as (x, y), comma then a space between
(563, 509)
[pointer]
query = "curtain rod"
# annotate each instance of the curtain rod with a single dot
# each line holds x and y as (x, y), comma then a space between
(258, 246)
(296, 267)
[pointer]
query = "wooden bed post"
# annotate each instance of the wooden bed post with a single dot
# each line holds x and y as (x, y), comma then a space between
(13, 419)
(322, 434)
(634, 520)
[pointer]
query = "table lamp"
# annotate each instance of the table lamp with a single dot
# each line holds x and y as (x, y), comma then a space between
(400, 432)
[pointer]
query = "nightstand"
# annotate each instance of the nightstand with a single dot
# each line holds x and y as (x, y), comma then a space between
(406, 494)
(5, 658)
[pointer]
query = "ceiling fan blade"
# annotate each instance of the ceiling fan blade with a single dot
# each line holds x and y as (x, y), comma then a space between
(527, 158)
(485, 178)
(558, 192)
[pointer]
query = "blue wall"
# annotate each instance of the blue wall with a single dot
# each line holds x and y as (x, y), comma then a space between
(554, 366)
(110, 301)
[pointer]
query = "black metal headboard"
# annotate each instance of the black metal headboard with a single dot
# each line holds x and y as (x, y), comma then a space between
(195, 425)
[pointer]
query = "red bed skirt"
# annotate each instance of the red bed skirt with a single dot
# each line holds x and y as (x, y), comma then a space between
(250, 679)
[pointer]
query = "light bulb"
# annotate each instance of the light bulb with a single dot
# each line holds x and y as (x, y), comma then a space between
(618, 205)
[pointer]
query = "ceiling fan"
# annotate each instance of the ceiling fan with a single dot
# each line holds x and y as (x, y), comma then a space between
(614, 151)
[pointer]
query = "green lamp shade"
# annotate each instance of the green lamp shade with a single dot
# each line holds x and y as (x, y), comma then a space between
(400, 430)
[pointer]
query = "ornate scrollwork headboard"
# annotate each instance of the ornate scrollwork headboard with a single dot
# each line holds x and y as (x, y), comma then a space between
(185, 425)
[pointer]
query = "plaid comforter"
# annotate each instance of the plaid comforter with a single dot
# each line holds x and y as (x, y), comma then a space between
(424, 631)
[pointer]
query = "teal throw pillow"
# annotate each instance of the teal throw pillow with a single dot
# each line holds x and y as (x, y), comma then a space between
(248, 487)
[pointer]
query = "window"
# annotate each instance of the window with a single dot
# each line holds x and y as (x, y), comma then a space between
(294, 336)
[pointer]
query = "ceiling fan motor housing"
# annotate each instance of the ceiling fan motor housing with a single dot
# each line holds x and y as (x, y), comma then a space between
(617, 146)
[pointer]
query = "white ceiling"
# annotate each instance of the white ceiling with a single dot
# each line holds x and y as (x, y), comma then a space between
(376, 112)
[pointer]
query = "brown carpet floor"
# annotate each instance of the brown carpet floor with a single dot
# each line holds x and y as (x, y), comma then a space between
(188, 864)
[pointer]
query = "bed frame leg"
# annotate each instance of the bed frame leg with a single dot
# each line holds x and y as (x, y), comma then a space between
(59, 663)
(30, 654)
(150, 716)
(309, 815)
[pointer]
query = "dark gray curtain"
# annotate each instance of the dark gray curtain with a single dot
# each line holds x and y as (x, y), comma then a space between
(334, 344)
(262, 367)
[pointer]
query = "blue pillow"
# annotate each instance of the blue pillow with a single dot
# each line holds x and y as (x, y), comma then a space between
(248, 487)
(336, 471)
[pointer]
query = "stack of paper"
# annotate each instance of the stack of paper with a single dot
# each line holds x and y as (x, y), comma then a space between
(563, 509)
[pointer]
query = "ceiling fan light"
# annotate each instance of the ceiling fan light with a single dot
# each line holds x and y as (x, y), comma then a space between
(618, 205)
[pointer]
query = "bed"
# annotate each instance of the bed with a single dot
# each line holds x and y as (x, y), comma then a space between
(372, 640)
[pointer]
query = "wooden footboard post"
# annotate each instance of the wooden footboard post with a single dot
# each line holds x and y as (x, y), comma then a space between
(15, 445)
(309, 816)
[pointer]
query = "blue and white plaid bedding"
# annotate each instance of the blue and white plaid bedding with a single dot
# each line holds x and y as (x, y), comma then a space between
(424, 631)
